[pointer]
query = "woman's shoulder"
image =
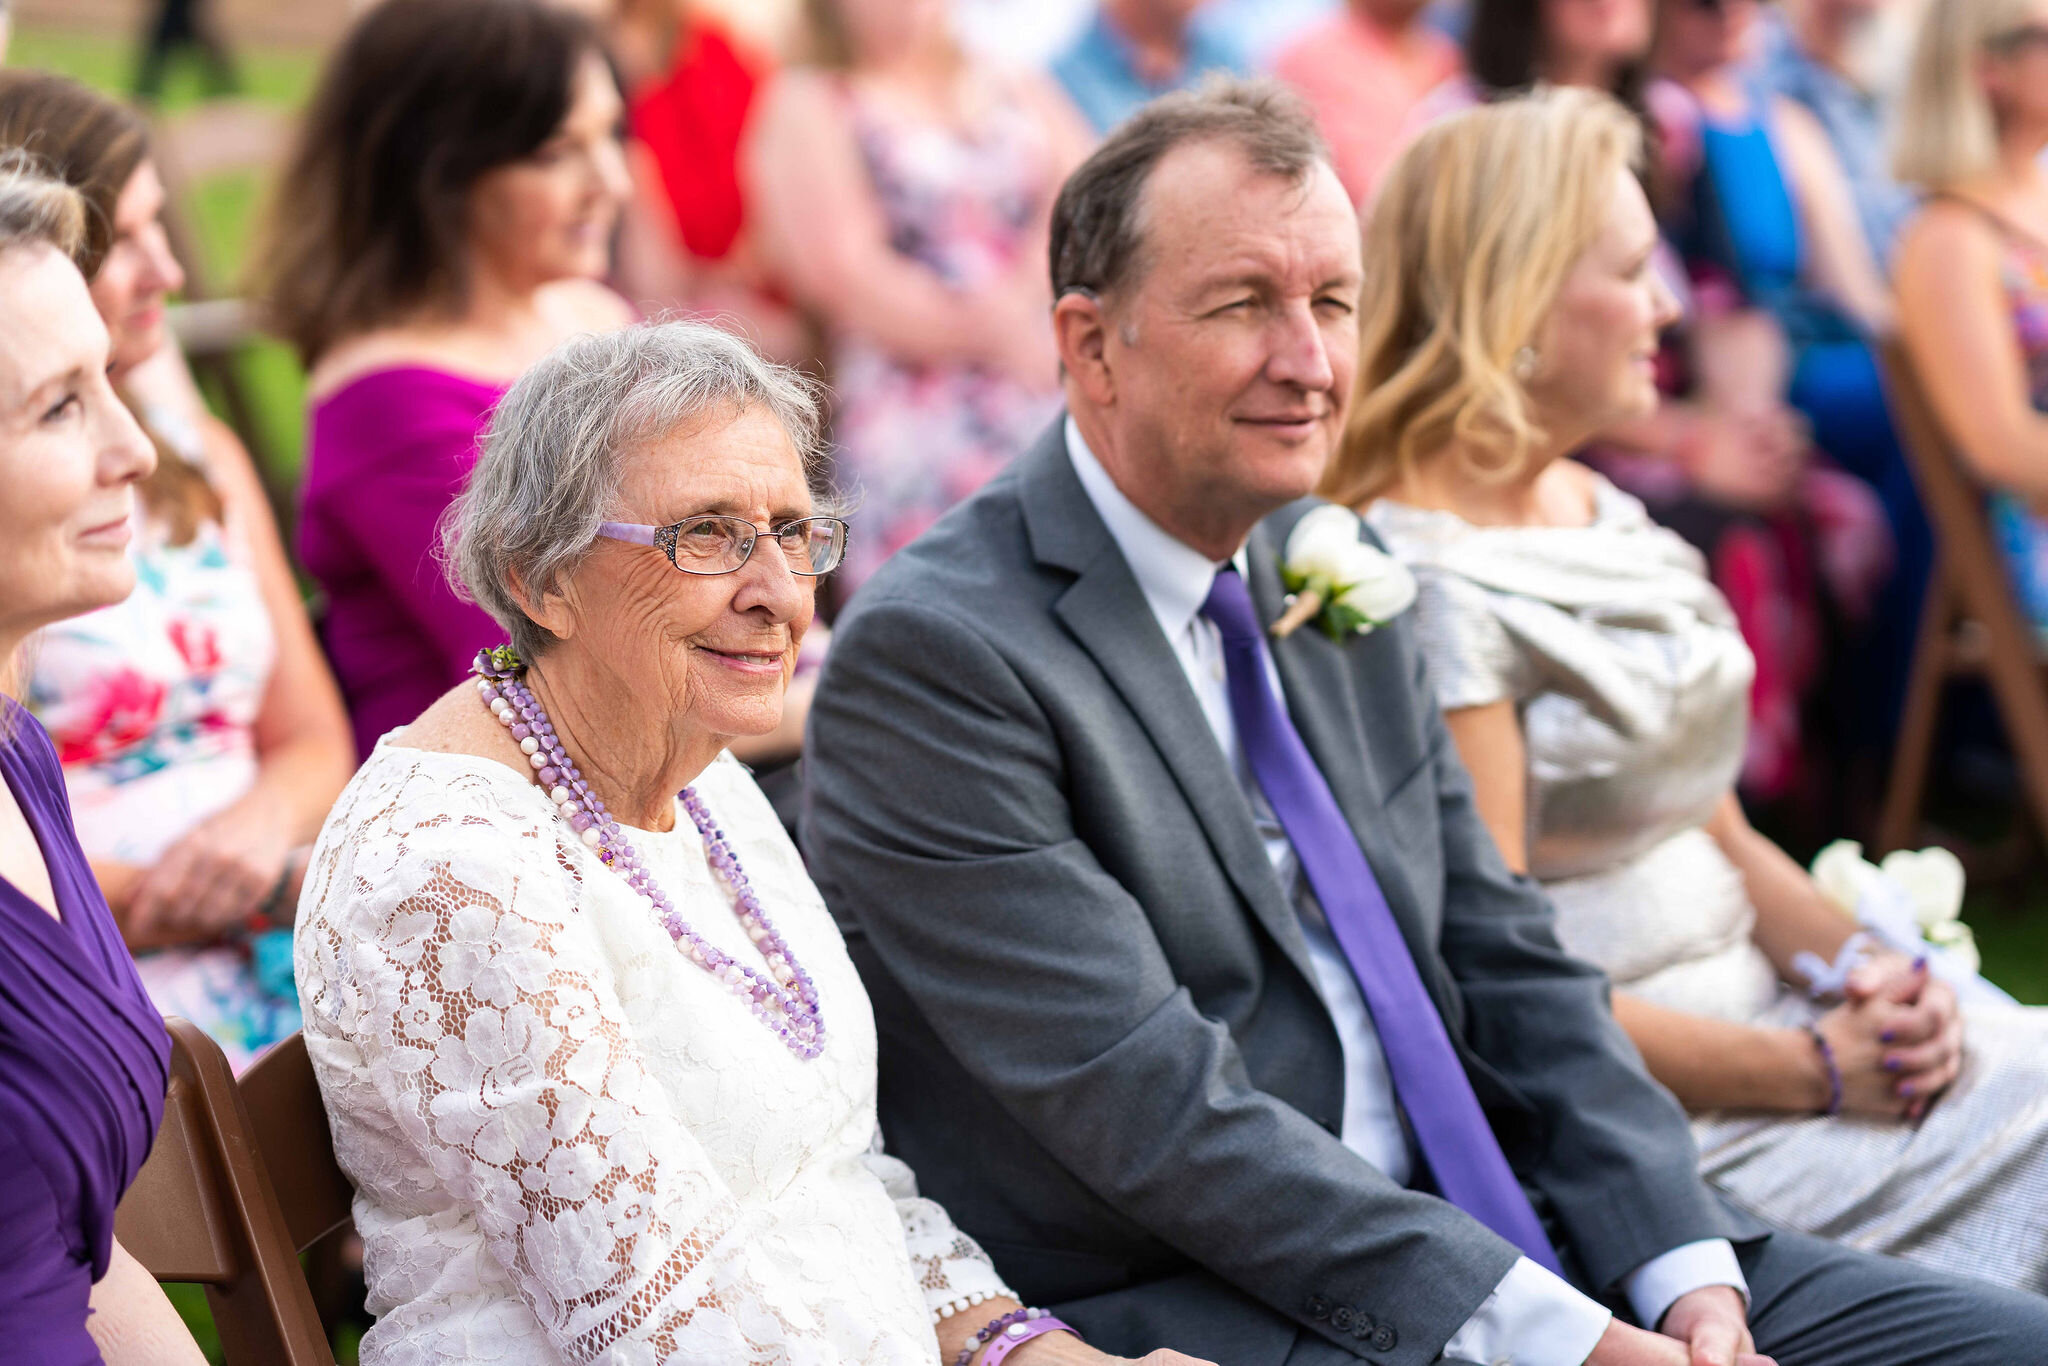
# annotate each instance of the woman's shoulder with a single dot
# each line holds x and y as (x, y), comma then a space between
(397, 363)
(584, 305)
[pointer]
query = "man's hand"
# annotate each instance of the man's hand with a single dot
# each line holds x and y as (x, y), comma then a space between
(1713, 1324)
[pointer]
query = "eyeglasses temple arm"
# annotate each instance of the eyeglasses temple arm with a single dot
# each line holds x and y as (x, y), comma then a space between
(628, 531)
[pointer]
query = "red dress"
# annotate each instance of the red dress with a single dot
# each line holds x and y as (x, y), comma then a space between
(692, 120)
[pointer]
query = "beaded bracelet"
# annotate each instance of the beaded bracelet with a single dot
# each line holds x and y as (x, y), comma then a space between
(1014, 1328)
(1827, 1058)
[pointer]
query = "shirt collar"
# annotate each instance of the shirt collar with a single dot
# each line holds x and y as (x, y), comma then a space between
(1173, 575)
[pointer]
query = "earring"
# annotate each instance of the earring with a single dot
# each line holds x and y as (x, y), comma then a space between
(1524, 365)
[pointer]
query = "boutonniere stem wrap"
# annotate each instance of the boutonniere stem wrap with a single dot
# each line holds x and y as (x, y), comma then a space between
(1338, 581)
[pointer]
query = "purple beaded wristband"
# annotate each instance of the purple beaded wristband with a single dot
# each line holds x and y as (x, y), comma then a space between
(1008, 1333)
(1827, 1057)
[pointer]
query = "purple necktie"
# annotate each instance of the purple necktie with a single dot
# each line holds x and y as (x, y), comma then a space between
(1431, 1083)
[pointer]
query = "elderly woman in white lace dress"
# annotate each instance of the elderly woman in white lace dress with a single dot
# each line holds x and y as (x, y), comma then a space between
(593, 1052)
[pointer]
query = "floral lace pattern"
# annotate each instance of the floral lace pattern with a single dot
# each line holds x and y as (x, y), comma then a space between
(568, 1143)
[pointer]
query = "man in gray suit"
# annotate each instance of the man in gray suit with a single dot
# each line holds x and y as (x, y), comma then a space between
(1206, 1003)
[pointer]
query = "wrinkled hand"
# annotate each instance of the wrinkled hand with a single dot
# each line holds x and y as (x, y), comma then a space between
(1064, 1349)
(1713, 1324)
(1904, 1035)
(216, 876)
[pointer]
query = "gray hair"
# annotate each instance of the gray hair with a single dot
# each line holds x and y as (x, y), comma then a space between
(36, 206)
(549, 469)
(1097, 232)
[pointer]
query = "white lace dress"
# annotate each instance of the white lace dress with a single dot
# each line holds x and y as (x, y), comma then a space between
(571, 1144)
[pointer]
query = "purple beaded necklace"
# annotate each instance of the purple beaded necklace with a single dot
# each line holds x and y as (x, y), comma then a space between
(784, 1000)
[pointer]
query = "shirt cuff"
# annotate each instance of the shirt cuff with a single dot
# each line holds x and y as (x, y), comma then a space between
(1657, 1284)
(1532, 1318)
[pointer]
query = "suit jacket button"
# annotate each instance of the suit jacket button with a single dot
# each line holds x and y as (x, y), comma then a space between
(1361, 1325)
(1384, 1338)
(1318, 1307)
(1340, 1317)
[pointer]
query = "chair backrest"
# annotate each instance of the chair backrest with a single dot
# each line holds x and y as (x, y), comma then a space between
(202, 1209)
(288, 1127)
(1955, 506)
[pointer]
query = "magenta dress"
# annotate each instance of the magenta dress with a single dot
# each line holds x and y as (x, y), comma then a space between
(387, 453)
(84, 1060)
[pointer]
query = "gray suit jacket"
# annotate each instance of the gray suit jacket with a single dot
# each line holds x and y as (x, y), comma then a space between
(1103, 1049)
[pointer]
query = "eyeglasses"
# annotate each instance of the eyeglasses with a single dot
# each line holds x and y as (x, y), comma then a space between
(713, 544)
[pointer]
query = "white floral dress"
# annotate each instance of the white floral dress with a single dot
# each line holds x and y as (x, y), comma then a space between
(571, 1144)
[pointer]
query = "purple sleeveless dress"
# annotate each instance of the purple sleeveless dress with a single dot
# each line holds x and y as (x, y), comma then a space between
(84, 1061)
(386, 455)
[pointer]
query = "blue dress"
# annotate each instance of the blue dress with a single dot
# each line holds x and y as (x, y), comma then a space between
(1743, 222)
(84, 1061)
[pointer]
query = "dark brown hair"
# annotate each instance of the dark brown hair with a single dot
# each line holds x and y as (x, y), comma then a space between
(94, 145)
(422, 98)
(91, 143)
(1096, 237)
(1504, 46)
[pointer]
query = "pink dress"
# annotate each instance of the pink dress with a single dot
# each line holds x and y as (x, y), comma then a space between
(1364, 88)
(388, 452)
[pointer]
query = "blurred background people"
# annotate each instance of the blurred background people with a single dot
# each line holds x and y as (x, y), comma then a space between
(179, 28)
(690, 81)
(1821, 54)
(416, 288)
(903, 188)
(1136, 50)
(201, 733)
(1363, 70)
(1595, 685)
(1972, 270)
(86, 1059)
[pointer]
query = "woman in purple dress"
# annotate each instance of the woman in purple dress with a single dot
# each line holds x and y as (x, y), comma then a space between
(84, 1057)
(417, 288)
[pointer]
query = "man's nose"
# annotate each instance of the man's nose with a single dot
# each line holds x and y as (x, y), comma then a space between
(1300, 354)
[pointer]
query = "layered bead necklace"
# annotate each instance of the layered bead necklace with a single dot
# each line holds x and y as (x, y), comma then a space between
(784, 999)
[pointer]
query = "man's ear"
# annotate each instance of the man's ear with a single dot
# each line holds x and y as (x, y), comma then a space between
(1081, 331)
(553, 612)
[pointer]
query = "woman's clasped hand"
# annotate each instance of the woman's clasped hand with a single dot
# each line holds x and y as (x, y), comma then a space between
(1896, 1038)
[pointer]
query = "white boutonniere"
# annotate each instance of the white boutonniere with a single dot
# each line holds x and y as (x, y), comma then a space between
(1338, 581)
(1910, 896)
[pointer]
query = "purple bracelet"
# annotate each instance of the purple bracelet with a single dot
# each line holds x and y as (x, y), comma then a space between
(1827, 1057)
(1010, 1332)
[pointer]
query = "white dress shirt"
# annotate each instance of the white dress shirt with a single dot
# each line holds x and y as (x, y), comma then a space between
(1532, 1318)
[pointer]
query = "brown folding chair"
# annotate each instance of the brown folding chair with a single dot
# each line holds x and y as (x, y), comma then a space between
(1971, 625)
(203, 1209)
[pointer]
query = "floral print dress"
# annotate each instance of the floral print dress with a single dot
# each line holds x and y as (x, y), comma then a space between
(152, 704)
(912, 439)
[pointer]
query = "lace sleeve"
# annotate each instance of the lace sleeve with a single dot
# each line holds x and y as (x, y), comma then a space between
(952, 1270)
(488, 1026)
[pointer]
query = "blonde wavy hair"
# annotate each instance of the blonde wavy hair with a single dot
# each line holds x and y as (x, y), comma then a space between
(1471, 237)
(1946, 131)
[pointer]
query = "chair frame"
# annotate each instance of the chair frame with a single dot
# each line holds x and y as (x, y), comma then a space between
(1970, 626)
(203, 1208)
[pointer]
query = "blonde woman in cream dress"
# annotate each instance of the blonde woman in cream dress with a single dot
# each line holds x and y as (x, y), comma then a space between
(1596, 685)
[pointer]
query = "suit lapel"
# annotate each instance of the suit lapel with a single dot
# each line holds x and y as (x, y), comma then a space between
(1106, 612)
(1324, 703)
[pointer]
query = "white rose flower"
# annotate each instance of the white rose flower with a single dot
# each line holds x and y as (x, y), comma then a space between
(1933, 878)
(1381, 589)
(1843, 874)
(1322, 544)
(1956, 939)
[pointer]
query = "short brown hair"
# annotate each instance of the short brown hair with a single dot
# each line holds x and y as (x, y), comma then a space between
(88, 141)
(369, 221)
(1096, 232)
